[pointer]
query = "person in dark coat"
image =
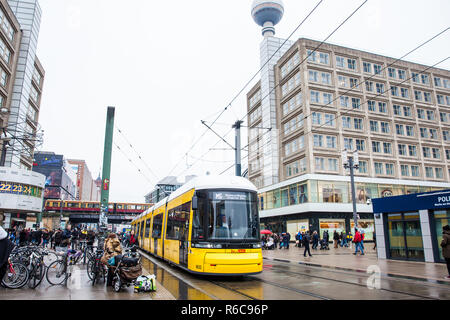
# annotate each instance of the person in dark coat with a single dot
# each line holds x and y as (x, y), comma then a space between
(336, 238)
(6, 247)
(306, 240)
(315, 239)
(445, 244)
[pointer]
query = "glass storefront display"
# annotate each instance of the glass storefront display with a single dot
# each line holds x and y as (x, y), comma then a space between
(441, 218)
(367, 225)
(315, 191)
(405, 236)
(331, 225)
(294, 226)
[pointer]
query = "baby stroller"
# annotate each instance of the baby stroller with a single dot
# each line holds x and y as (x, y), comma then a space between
(324, 245)
(127, 268)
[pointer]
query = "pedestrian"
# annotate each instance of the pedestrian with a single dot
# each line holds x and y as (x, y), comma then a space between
(374, 241)
(297, 239)
(315, 239)
(357, 240)
(349, 240)
(445, 244)
(57, 238)
(45, 238)
(336, 238)
(112, 248)
(66, 236)
(363, 235)
(306, 240)
(276, 239)
(6, 247)
(288, 239)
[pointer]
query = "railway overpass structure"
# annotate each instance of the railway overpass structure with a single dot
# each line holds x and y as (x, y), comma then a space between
(85, 212)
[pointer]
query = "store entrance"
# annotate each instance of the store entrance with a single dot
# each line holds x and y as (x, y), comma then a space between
(405, 236)
(441, 218)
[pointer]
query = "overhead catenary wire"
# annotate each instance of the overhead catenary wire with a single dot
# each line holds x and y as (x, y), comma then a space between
(314, 50)
(316, 127)
(246, 85)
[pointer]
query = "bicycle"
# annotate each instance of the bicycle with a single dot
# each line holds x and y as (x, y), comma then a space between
(16, 276)
(59, 271)
(96, 268)
(37, 269)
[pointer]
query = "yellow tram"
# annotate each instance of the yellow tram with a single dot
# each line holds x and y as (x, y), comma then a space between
(208, 226)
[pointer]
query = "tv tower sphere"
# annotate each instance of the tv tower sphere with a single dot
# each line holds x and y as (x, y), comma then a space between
(267, 13)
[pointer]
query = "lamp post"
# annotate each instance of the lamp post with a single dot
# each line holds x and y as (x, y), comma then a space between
(352, 163)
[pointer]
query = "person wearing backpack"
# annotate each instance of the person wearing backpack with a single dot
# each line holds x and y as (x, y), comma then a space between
(357, 240)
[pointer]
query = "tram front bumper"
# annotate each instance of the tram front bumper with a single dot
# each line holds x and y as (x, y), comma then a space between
(233, 263)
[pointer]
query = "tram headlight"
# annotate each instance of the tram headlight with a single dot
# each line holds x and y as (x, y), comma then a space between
(257, 245)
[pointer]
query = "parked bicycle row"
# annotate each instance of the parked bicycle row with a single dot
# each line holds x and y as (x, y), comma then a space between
(29, 264)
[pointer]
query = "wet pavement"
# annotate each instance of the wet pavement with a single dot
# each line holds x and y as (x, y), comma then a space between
(328, 275)
(343, 259)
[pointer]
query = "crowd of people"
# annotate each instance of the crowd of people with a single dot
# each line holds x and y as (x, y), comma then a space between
(311, 240)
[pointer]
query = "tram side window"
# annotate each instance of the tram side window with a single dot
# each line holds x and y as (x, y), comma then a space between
(147, 228)
(198, 232)
(178, 222)
(141, 231)
(157, 226)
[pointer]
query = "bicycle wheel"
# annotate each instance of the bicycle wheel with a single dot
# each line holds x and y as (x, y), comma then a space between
(36, 275)
(16, 277)
(56, 273)
(91, 269)
(49, 257)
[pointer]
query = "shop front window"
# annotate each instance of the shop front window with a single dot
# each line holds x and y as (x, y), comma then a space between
(331, 225)
(385, 190)
(269, 200)
(442, 218)
(367, 225)
(405, 236)
(333, 192)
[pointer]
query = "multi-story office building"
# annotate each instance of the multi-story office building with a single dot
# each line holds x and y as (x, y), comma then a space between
(21, 83)
(87, 189)
(396, 115)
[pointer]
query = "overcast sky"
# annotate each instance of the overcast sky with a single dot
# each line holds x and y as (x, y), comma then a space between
(166, 65)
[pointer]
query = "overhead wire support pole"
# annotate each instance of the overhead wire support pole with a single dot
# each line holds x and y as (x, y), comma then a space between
(204, 123)
(237, 127)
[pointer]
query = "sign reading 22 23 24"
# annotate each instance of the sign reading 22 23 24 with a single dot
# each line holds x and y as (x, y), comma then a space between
(6, 187)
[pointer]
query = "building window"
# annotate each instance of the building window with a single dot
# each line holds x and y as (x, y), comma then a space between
(340, 62)
(382, 108)
(373, 126)
(356, 103)
(367, 67)
(4, 52)
(426, 152)
(404, 92)
(439, 173)
(429, 172)
(407, 111)
(330, 120)
(405, 170)
(389, 169)
(387, 147)
(315, 97)
(358, 124)
(324, 58)
(360, 145)
(415, 171)
(402, 150)
(344, 101)
(371, 105)
(399, 129)
(412, 151)
(385, 127)
(380, 88)
(436, 153)
(351, 64)
(376, 147)
(377, 69)
(316, 118)
(410, 131)
(401, 74)
(362, 166)
(378, 168)
(346, 122)
(392, 73)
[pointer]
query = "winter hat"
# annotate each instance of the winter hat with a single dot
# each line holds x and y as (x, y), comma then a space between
(3, 233)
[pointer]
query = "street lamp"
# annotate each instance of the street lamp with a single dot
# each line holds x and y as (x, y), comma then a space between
(352, 163)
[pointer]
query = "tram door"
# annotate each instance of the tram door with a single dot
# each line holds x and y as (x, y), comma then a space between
(184, 233)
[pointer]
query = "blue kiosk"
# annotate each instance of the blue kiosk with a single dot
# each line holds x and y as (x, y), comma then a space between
(409, 227)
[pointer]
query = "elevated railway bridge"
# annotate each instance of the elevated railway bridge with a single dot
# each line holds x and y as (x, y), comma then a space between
(88, 212)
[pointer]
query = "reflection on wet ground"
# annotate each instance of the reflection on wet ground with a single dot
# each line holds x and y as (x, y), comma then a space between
(282, 281)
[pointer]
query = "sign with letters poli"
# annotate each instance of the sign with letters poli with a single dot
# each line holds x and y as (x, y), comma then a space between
(435, 200)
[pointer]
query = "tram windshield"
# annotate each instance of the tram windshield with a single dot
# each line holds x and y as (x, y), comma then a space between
(228, 215)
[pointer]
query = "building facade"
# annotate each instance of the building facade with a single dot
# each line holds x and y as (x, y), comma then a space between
(21, 84)
(396, 115)
(23, 105)
(86, 186)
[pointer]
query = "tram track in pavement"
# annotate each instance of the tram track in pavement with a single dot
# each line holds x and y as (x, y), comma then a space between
(182, 277)
(350, 283)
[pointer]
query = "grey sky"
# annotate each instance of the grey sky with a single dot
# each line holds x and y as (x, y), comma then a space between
(166, 65)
